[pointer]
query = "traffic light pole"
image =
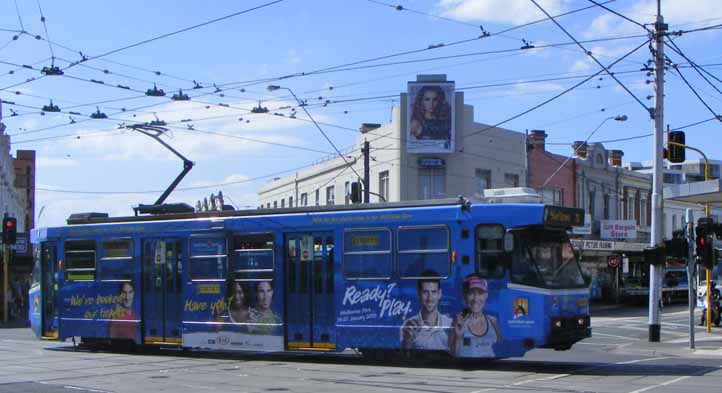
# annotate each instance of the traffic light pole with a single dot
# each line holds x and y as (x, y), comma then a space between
(655, 271)
(692, 286)
(708, 323)
(5, 283)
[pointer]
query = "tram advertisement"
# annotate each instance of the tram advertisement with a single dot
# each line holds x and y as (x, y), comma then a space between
(114, 311)
(244, 317)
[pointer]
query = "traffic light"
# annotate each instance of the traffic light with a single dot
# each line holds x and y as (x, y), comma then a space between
(675, 153)
(705, 251)
(356, 191)
(10, 230)
(676, 248)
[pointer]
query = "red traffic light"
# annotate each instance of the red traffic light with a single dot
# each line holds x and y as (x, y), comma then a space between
(9, 223)
(9, 233)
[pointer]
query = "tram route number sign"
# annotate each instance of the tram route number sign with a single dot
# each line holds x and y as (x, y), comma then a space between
(613, 261)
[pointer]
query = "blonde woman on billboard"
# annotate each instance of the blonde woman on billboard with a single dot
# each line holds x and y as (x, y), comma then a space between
(431, 115)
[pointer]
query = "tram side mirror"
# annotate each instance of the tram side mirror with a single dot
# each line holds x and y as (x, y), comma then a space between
(508, 242)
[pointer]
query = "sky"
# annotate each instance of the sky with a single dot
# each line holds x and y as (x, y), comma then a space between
(324, 51)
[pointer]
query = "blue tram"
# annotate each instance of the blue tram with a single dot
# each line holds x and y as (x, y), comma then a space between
(484, 281)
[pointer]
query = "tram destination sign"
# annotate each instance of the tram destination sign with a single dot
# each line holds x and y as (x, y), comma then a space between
(563, 216)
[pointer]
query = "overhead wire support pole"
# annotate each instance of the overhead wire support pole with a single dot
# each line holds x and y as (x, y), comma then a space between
(656, 241)
(691, 282)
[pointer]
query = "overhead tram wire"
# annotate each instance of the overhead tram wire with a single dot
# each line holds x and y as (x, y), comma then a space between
(403, 53)
(647, 109)
(45, 26)
(166, 35)
(535, 107)
(20, 18)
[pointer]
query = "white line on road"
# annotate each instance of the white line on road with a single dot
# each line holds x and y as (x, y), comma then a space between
(615, 336)
(483, 390)
(550, 378)
(661, 384)
(644, 360)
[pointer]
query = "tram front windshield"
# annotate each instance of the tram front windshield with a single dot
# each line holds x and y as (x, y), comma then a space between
(545, 258)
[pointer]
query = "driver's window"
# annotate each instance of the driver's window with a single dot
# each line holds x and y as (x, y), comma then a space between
(490, 256)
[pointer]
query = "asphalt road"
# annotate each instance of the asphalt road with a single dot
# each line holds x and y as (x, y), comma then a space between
(618, 358)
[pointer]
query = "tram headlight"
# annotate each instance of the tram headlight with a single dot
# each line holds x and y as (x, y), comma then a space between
(557, 323)
(580, 321)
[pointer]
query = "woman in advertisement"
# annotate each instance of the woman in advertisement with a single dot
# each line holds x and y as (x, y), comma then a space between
(239, 310)
(431, 114)
(474, 333)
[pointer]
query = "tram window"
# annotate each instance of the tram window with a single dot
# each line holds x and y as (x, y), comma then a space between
(36, 265)
(208, 258)
(367, 254)
(116, 260)
(424, 249)
(253, 256)
(490, 255)
(80, 260)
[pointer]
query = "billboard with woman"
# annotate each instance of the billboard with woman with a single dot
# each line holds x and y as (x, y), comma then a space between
(430, 117)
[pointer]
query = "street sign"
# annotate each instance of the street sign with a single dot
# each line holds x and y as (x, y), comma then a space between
(613, 261)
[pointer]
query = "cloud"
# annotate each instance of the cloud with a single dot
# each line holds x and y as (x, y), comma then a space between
(292, 57)
(676, 12)
(44, 162)
(499, 11)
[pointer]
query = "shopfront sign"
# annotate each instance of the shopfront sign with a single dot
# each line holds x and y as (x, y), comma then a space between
(431, 162)
(606, 245)
(618, 229)
(585, 229)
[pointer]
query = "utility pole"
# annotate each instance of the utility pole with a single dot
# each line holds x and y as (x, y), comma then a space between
(692, 285)
(655, 270)
(367, 171)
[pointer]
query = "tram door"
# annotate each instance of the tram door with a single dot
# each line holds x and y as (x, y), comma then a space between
(48, 290)
(309, 291)
(162, 290)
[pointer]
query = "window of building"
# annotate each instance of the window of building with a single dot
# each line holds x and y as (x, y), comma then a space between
(483, 180)
(283, 202)
(80, 260)
(606, 206)
(347, 193)
(290, 201)
(642, 214)
(384, 185)
(423, 250)
(208, 258)
(116, 260)
(304, 199)
(490, 255)
(630, 208)
(253, 257)
(432, 183)
(552, 196)
(674, 222)
(592, 195)
(330, 195)
(318, 197)
(268, 205)
(511, 179)
(367, 253)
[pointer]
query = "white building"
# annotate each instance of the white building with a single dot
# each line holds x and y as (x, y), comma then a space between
(479, 157)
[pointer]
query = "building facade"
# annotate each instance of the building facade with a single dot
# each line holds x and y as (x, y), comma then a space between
(402, 167)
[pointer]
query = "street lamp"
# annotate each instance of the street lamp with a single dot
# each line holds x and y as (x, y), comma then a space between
(619, 118)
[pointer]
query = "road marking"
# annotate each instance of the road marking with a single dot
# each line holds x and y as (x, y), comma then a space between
(483, 390)
(661, 384)
(644, 360)
(86, 389)
(615, 336)
(550, 378)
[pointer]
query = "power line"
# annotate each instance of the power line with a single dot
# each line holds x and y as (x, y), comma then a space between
(697, 68)
(648, 110)
(619, 15)
(679, 73)
(20, 18)
(557, 95)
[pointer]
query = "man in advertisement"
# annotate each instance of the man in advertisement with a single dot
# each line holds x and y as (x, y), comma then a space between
(429, 328)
